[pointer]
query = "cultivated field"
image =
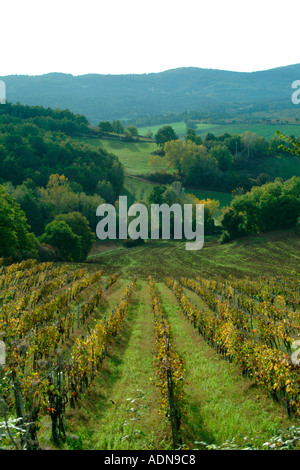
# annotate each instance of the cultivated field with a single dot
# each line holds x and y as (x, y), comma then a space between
(154, 348)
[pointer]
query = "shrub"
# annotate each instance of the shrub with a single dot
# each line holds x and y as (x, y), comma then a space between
(80, 227)
(59, 235)
(263, 178)
(48, 253)
(16, 240)
(129, 243)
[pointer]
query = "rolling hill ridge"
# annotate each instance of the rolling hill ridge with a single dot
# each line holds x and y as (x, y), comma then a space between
(101, 97)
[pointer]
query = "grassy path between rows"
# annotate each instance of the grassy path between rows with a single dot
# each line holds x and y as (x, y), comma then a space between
(221, 403)
(103, 419)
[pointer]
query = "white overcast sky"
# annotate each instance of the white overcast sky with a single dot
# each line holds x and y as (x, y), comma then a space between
(138, 36)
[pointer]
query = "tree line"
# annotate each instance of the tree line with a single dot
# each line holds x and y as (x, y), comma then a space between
(116, 128)
(274, 205)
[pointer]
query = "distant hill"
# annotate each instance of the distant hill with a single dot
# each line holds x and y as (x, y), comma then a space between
(101, 97)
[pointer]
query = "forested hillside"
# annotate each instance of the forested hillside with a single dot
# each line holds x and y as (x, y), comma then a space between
(45, 175)
(172, 91)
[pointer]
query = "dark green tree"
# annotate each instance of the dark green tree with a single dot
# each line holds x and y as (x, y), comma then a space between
(106, 190)
(105, 127)
(272, 206)
(190, 135)
(223, 156)
(156, 195)
(16, 240)
(133, 130)
(118, 127)
(59, 235)
(210, 136)
(165, 134)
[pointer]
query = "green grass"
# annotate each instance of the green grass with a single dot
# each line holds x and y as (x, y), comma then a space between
(281, 167)
(264, 130)
(133, 155)
(179, 128)
(269, 253)
(220, 403)
(223, 198)
(123, 390)
(136, 189)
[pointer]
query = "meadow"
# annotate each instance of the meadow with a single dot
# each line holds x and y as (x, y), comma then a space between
(133, 155)
(263, 254)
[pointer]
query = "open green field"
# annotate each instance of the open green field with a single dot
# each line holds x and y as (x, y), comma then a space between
(265, 254)
(265, 130)
(223, 198)
(277, 167)
(133, 155)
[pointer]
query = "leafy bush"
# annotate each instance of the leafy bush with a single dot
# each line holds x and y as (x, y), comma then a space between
(287, 439)
(298, 226)
(80, 227)
(48, 253)
(272, 206)
(59, 235)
